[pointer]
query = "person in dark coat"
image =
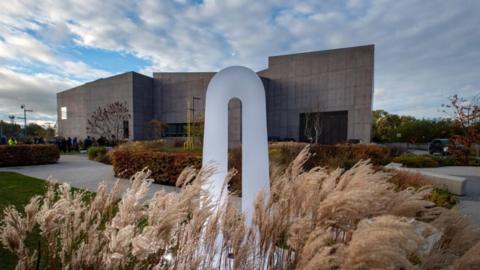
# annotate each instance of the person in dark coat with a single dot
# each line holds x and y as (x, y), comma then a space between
(63, 145)
(69, 144)
(87, 143)
(75, 144)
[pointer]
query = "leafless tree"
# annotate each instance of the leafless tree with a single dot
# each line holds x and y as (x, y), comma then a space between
(317, 126)
(307, 131)
(313, 126)
(109, 121)
(466, 115)
(156, 128)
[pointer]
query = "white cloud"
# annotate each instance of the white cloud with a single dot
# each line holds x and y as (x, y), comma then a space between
(37, 91)
(21, 48)
(425, 50)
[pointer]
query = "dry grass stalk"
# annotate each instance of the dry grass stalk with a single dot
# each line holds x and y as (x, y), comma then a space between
(315, 219)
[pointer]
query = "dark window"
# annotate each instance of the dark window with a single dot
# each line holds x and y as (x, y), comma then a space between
(324, 127)
(175, 130)
(125, 130)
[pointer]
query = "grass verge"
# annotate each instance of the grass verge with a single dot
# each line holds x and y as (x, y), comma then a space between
(17, 189)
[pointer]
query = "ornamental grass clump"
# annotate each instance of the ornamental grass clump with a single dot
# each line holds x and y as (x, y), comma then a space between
(313, 219)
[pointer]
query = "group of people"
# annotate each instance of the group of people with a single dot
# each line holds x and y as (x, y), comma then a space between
(9, 141)
(69, 144)
(64, 144)
(13, 140)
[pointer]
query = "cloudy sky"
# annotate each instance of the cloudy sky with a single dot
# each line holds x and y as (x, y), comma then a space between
(425, 50)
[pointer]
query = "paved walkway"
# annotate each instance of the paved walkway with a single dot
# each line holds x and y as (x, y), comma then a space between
(470, 203)
(80, 172)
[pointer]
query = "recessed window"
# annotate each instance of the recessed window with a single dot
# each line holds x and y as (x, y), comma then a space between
(63, 111)
(175, 130)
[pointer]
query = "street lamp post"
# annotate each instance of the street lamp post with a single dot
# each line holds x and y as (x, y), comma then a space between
(193, 107)
(25, 110)
(12, 119)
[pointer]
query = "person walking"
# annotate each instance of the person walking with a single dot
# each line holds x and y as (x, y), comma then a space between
(63, 144)
(69, 144)
(87, 143)
(12, 141)
(75, 144)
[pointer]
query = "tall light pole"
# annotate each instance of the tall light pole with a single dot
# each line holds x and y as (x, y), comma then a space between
(193, 107)
(25, 110)
(12, 119)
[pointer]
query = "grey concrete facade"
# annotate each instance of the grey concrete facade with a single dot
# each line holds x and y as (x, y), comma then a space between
(339, 80)
(80, 102)
(324, 81)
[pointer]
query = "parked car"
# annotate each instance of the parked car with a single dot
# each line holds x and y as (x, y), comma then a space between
(438, 146)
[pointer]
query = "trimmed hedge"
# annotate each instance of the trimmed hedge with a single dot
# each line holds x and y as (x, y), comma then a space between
(28, 154)
(165, 167)
(416, 161)
(333, 156)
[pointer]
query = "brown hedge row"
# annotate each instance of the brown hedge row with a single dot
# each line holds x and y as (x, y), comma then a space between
(28, 154)
(165, 166)
(340, 155)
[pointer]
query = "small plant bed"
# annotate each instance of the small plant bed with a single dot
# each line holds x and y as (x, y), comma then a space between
(439, 196)
(100, 154)
(429, 161)
(416, 161)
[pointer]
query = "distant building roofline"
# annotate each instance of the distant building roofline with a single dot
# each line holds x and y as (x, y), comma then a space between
(324, 51)
(194, 73)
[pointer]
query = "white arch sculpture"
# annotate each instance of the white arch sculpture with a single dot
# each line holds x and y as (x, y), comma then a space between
(244, 84)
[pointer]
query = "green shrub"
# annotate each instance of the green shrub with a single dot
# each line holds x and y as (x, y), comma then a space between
(439, 196)
(96, 152)
(165, 167)
(445, 160)
(28, 154)
(442, 197)
(425, 161)
(474, 161)
(416, 161)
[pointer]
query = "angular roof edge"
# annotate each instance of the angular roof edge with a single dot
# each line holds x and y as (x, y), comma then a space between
(106, 78)
(325, 51)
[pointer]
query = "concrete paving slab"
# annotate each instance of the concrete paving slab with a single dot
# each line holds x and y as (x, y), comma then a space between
(80, 172)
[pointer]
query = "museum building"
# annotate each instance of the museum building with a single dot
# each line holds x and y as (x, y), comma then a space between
(321, 96)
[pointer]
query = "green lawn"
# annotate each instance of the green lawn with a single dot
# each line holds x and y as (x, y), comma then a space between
(16, 189)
